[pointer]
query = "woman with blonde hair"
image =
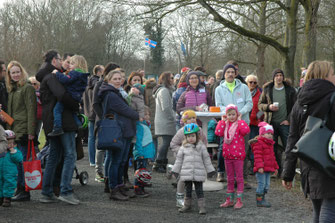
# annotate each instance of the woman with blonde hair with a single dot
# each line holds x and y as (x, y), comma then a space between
(316, 92)
(22, 108)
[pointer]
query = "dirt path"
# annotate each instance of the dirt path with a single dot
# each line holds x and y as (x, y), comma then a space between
(160, 207)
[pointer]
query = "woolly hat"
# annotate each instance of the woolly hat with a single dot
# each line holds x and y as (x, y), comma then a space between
(184, 69)
(231, 106)
(188, 114)
(277, 71)
(189, 75)
(226, 67)
(265, 128)
(140, 87)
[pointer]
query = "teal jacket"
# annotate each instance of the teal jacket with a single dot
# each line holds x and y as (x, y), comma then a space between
(8, 172)
(241, 97)
(144, 145)
(211, 137)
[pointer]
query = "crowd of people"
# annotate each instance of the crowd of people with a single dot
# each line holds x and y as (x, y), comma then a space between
(247, 135)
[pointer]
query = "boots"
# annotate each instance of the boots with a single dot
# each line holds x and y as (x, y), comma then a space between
(201, 206)
(187, 205)
(6, 202)
(124, 192)
(21, 195)
(238, 204)
(115, 194)
(140, 192)
(19, 189)
(229, 201)
(160, 166)
(220, 177)
(106, 190)
(261, 202)
(180, 200)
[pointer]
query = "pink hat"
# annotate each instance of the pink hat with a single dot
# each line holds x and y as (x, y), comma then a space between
(265, 128)
(231, 106)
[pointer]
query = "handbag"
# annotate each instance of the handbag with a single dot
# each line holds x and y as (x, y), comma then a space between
(312, 147)
(32, 170)
(109, 131)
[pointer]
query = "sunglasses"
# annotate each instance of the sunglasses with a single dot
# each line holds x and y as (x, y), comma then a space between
(34, 84)
(252, 82)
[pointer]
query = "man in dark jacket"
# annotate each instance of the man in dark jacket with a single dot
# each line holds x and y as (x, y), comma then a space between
(277, 101)
(3, 90)
(51, 92)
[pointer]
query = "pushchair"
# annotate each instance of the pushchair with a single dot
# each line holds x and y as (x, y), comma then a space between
(43, 156)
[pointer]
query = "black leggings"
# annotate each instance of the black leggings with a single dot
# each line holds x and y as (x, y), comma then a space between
(198, 189)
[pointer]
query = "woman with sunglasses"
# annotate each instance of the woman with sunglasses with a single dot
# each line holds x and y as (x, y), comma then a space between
(255, 114)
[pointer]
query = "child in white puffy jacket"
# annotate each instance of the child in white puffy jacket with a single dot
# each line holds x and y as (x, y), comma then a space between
(192, 165)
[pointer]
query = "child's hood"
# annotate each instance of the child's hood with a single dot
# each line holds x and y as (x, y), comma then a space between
(192, 146)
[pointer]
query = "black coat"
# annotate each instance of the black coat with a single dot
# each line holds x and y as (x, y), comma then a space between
(52, 91)
(3, 99)
(316, 94)
(117, 104)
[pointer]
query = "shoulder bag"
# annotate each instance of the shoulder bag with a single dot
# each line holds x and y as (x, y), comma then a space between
(313, 145)
(109, 131)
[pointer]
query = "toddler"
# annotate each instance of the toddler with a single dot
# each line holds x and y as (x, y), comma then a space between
(265, 161)
(10, 158)
(233, 130)
(188, 117)
(75, 83)
(144, 149)
(192, 165)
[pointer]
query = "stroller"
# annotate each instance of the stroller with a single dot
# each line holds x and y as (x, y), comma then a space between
(43, 156)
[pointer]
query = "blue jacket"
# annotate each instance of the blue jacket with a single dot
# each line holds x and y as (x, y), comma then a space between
(117, 104)
(75, 83)
(144, 145)
(211, 137)
(8, 172)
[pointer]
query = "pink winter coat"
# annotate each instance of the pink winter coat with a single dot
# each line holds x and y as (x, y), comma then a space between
(235, 150)
(263, 154)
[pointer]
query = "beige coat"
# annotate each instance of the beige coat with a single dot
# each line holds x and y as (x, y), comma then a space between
(193, 163)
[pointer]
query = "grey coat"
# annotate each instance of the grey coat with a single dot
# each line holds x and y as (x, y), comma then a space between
(193, 163)
(165, 116)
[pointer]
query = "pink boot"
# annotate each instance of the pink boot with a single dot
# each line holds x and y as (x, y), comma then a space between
(229, 201)
(238, 204)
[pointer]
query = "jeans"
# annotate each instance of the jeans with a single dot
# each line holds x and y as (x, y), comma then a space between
(234, 168)
(323, 210)
(91, 142)
(140, 163)
(20, 176)
(198, 189)
(263, 182)
(58, 114)
(163, 149)
(115, 162)
(66, 145)
(281, 131)
(221, 166)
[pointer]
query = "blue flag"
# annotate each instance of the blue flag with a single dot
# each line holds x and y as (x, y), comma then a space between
(183, 48)
(151, 43)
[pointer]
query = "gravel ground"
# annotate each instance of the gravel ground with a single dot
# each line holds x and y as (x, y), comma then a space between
(95, 206)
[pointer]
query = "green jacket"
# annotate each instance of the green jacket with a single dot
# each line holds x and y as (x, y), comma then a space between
(22, 108)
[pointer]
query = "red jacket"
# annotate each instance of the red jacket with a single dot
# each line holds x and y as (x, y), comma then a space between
(264, 156)
(254, 111)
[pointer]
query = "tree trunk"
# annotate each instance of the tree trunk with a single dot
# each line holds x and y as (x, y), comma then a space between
(260, 69)
(311, 12)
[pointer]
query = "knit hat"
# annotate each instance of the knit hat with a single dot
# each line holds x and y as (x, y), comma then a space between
(231, 106)
(277, 71)
(188, 114)
(184, 69)
(226, 67)
(265, 128)
(189, 75)
(140, 87)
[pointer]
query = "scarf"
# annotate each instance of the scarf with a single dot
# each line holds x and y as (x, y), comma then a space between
(229, 134)
(254, 92)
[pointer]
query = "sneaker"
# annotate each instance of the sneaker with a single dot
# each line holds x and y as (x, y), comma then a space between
(69, 199)
(48, 199)
(56, 132)
(99, 177)
(6, 202)
(92, 164)
(139, 191)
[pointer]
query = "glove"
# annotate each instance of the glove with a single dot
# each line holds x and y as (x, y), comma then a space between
(211, 174)
(176, 175)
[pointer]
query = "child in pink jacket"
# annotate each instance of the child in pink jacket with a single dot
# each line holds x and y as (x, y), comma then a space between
(233, 130)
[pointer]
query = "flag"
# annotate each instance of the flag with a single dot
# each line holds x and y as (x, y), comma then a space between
(151, 43)
(183, 48)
